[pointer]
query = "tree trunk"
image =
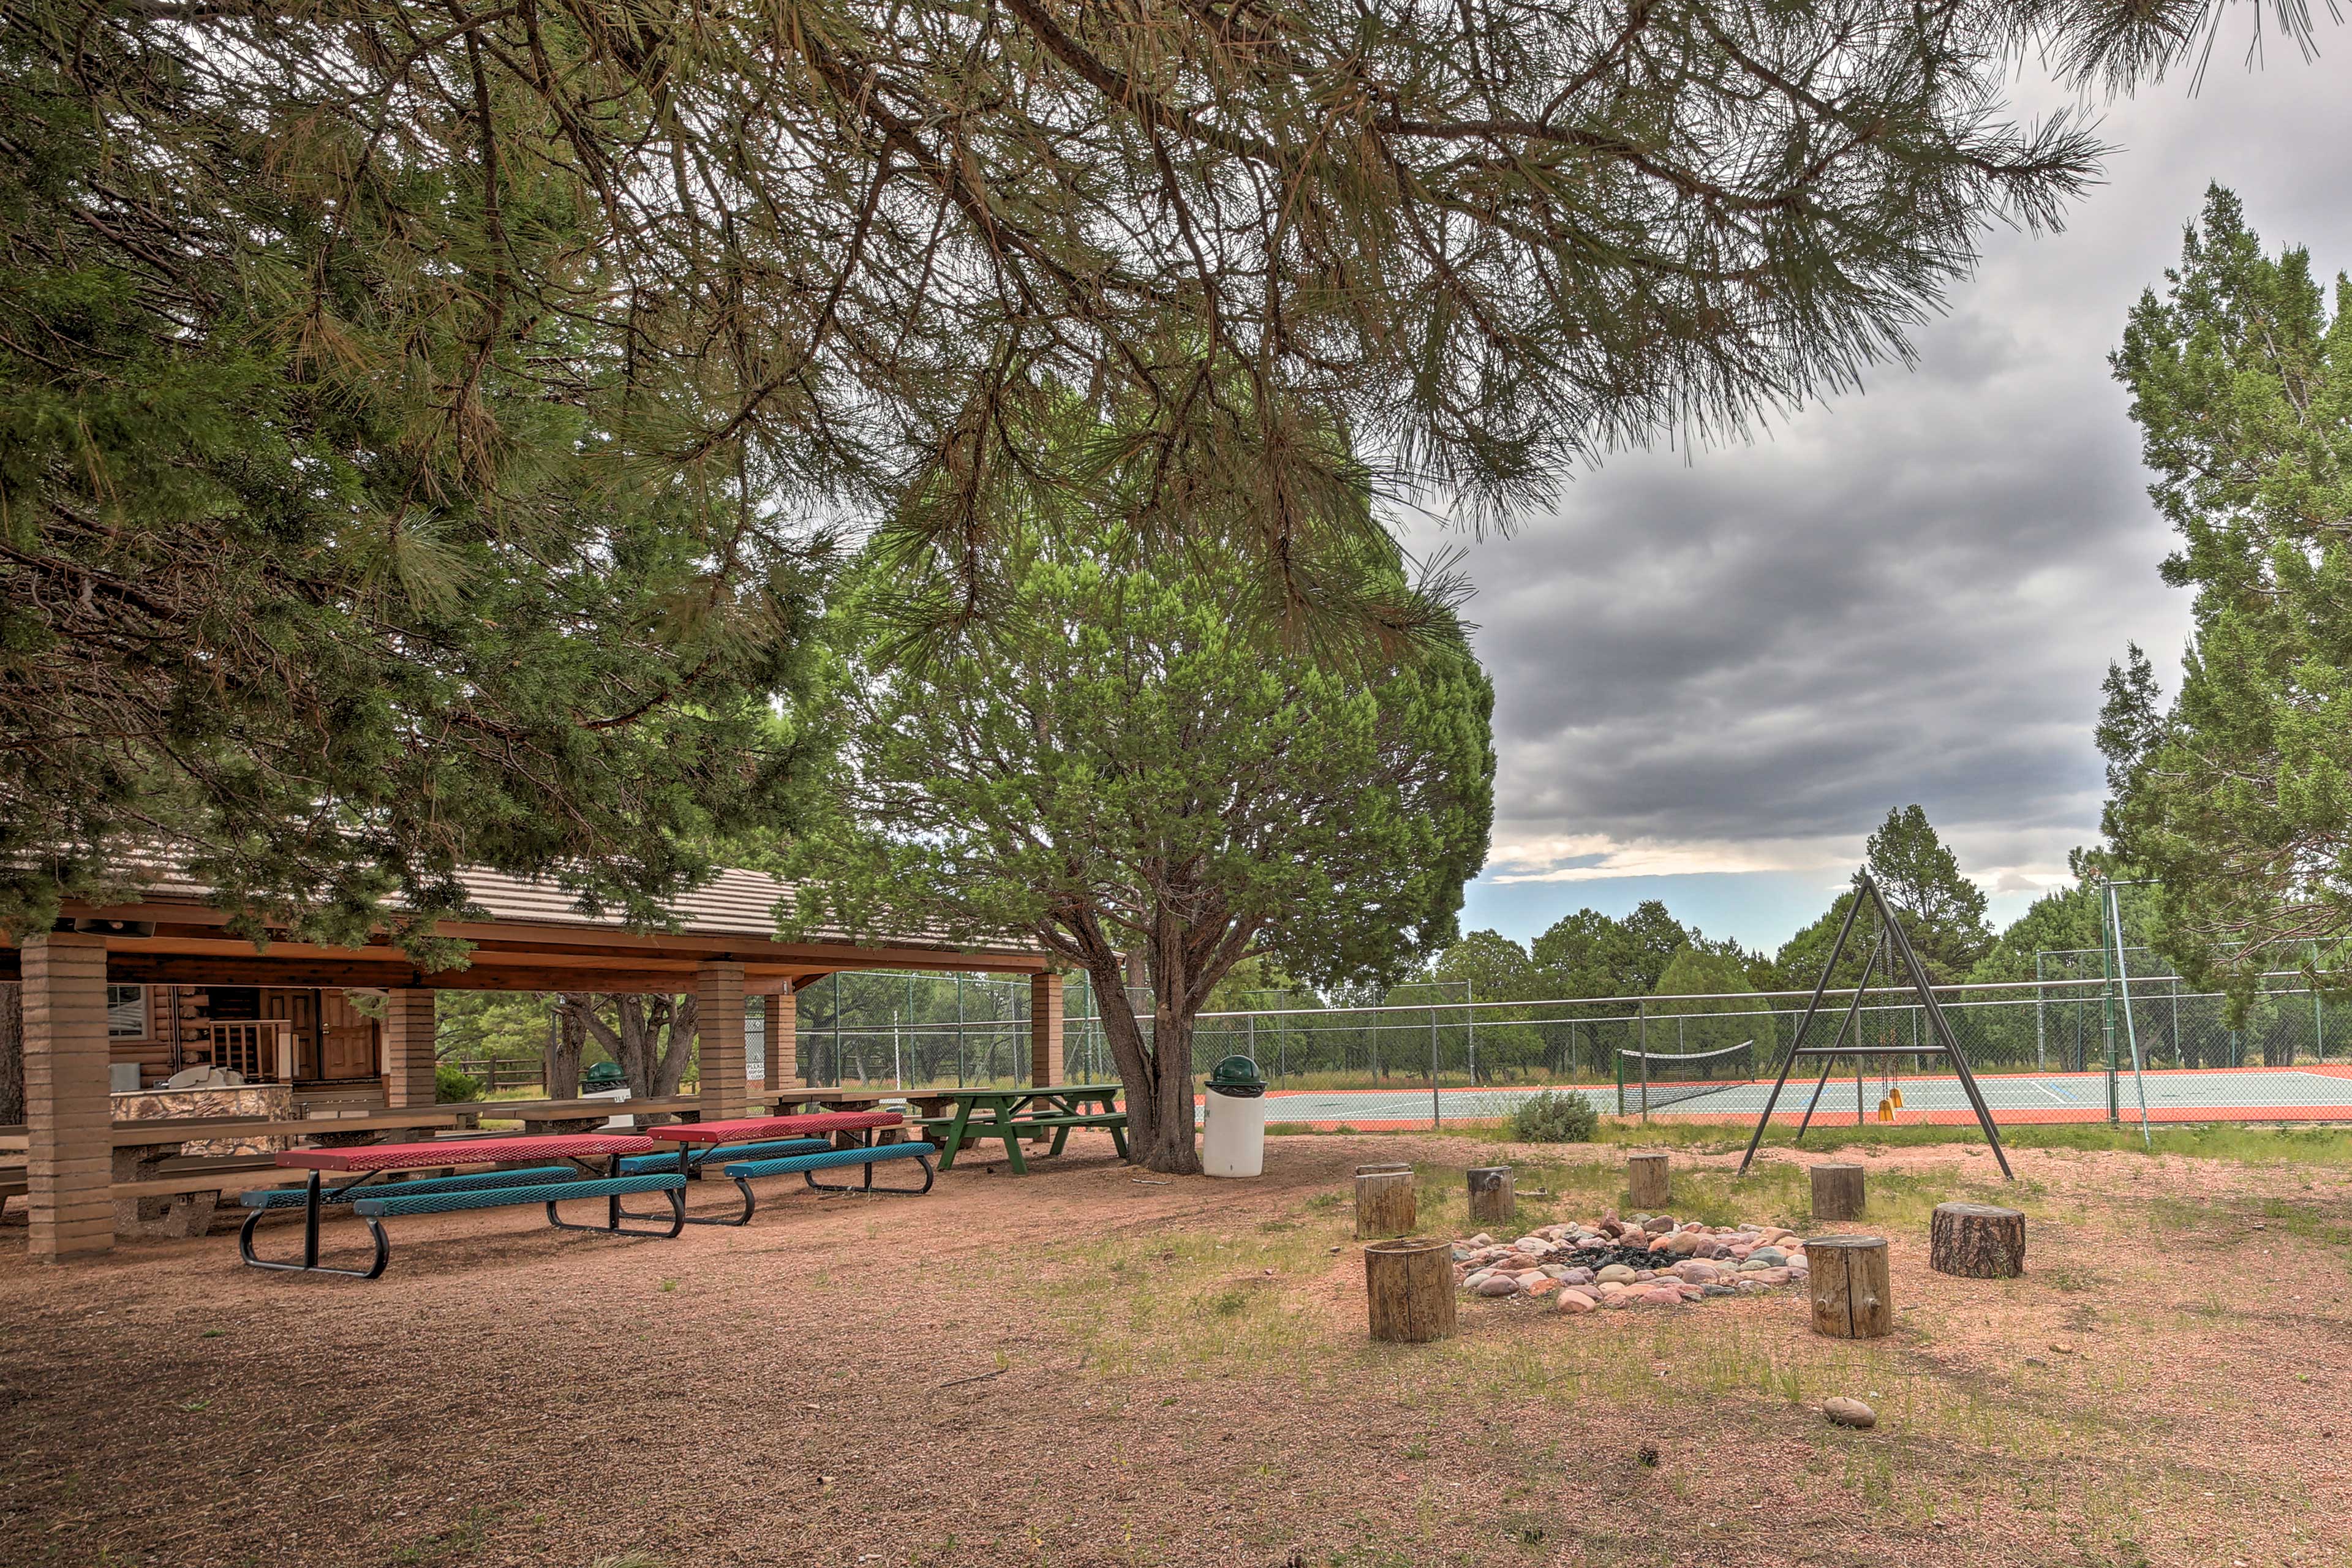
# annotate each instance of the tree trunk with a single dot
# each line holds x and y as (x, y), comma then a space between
(1409, 1290)
(12, 1053)
(1158, 1080)
(1837, 1192)
(1977, 1241)
(1384, 1201)
(684, 1016)
(1849, 1280)
(1493, 1195)
(1649, 1185)
(567, 1042)
(651, 1039)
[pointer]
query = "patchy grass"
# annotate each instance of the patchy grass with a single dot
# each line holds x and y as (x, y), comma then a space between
(1082, 1369)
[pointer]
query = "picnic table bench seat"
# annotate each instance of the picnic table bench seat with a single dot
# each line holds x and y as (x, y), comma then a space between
(638, 1164)
(743, 1172)
(591, 1170)
(453, 1194)
(295, 1197)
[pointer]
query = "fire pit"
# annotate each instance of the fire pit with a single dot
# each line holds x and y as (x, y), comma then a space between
(1646, 1260)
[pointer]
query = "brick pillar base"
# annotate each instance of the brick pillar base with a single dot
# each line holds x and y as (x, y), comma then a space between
(68, 1120)
(719, 1040)
(1045, 1030)
(408, 1023)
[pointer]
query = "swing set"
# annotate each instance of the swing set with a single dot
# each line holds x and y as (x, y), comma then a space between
(1892, 949)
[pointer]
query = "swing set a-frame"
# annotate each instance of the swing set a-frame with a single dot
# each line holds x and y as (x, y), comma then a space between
(1896, 948)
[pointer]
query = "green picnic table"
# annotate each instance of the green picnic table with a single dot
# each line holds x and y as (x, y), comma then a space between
(1007, 1114)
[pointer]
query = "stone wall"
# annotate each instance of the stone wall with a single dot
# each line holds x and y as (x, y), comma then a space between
(275, 1100)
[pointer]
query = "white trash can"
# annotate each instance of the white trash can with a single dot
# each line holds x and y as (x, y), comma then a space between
(1232, 1142)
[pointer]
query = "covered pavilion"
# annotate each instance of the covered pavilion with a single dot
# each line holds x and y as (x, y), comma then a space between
(720, 947)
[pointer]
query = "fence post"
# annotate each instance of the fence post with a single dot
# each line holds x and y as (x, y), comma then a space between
(2108, 944)
(1642, 1011)
(2041, 1026)
(2318, 1020)
(1470, 1013)
(1436, 1116)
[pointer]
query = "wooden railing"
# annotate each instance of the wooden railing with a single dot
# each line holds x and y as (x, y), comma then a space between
(261, 1048)
(495, 1073)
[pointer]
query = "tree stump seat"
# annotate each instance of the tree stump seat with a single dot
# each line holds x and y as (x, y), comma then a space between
(1977, 1241)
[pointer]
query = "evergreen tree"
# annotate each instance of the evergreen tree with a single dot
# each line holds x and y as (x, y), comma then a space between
(416, 419)
(1942, 911)
(1702, 972)
(1589, 953)
(2237, 796)
(1496, 968)
(1117, 762)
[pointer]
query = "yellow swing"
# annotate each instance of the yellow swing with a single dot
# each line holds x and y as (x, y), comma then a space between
(1890, 1098)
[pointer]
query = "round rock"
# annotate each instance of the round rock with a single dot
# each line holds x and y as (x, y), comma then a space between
(1850, 1413)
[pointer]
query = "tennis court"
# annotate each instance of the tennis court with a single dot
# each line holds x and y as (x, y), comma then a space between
(2306, 1094)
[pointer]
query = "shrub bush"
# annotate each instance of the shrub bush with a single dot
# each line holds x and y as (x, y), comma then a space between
(450, 1085)
(1552, 1118)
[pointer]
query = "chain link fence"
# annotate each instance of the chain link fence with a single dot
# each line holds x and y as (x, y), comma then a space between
(2060, 1049)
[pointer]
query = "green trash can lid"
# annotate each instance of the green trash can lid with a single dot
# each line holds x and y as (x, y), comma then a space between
(1237, 1076)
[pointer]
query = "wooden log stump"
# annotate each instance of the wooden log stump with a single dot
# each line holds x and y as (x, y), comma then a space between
(1648, 1185)
(1837, 1192)
(1409, 1289)
(1384, 1201)
(1977, 1241)
(1491, 1196)
(1851, 1299)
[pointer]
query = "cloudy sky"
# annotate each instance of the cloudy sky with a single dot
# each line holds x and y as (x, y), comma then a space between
(1716, 671)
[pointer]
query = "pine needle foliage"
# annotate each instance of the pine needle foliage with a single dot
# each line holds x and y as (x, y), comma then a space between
(420, 419)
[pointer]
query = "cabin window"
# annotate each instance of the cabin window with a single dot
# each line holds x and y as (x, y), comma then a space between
(126, 1012)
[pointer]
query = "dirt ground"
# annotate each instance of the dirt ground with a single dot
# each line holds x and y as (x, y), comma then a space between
(1090, 1365)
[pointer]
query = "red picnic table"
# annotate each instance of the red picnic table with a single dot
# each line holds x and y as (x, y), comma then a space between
(753, 1137)
(582, 1151)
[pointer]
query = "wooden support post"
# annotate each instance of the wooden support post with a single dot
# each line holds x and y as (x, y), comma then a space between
(1384, 1201)
(1044, 1030)
(1837, 1192)
(1491, 1196)
(69, 1152)
(408, 1030)
(1977, 1241)
(1851, 1297)
(1648, 1183)
(719, 1041)
(1409, 1290)
(780, 1034)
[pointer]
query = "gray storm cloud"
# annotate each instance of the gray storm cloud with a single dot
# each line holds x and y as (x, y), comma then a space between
(1739, 659)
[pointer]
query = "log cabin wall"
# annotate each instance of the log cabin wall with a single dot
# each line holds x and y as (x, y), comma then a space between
(166, 1029)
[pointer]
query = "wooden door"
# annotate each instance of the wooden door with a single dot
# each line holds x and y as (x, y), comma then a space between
(346, 1039)
(301, 1011)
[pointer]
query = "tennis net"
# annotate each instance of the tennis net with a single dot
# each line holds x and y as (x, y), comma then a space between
(1648, 1080)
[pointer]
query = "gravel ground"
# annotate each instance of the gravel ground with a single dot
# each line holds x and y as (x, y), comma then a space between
(1091, 1366)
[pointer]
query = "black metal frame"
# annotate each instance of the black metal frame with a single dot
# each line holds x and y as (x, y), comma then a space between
(614, 1216)
(866, 1189)
(315, 1197)
(311, 1207)
(693, 1157)
(1946, 1043)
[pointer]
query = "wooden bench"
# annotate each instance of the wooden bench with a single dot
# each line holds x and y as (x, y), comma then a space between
(452, 1194)
(1116, 1120)
(743, 1172)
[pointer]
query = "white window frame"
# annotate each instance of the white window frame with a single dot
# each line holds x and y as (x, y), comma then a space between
(118, 996)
